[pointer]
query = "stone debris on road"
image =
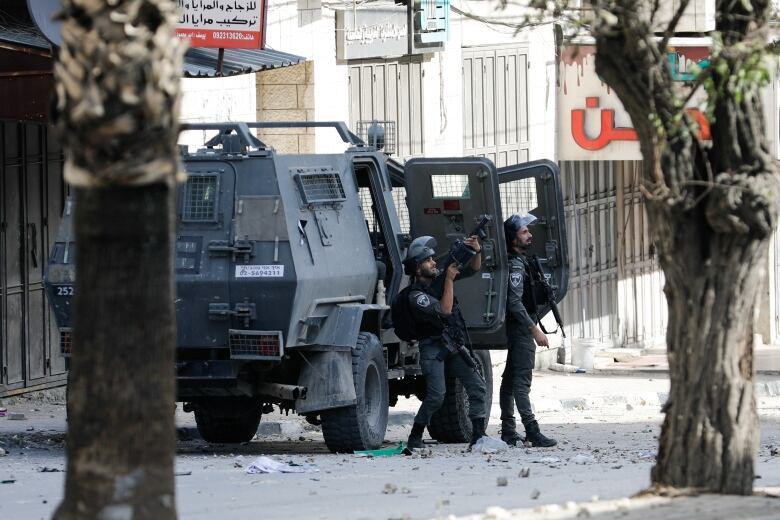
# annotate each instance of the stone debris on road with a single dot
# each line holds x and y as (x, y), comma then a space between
(607, 446)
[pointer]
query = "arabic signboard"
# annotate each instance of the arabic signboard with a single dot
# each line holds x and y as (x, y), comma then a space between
(237, 24)
(372, 33)
(592, 123)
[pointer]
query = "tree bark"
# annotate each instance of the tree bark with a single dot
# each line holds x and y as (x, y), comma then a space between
(117, 89)
(712, 209)
(121, 433)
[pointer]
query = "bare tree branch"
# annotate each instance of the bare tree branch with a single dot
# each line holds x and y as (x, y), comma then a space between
(672, 27)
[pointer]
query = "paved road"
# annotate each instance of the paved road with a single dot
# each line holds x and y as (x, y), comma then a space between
(607, 427)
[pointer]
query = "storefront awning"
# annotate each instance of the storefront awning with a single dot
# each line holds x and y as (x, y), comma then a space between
(18, 31)
(200, 62)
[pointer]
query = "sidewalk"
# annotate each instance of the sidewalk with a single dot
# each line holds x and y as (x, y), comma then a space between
(638, 383)
(653, 361)
(703, 507)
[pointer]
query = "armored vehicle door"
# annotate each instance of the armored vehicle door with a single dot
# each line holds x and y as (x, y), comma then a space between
(446, 199)
(535, 187)
(203, 253)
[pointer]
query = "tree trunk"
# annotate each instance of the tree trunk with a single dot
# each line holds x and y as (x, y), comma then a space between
(117, 114)
(121, 434)
(710, 433)
(712, 208)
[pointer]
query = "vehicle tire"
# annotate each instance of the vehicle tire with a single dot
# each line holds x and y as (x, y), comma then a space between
(361, 426)
(227, 420)
(451, 423)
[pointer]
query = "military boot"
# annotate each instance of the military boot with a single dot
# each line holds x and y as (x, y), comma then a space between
(536, 437)
(477, 430)
(415, 438)
(512, 437)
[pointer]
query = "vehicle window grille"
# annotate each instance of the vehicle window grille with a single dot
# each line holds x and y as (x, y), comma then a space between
(321, 187)
(255, 344)
(66, 341)
(200, 198)
(518, 196)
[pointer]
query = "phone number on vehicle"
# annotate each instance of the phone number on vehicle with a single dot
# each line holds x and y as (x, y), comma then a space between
(259, 271)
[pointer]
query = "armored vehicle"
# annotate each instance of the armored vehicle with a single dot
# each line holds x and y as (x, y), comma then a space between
(285, 265)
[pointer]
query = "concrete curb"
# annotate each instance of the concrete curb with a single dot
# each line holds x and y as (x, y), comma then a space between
(765, 390)
(704, 507)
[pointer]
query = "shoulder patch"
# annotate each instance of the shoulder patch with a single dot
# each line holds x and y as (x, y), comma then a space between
(423, 300)
(515, 278)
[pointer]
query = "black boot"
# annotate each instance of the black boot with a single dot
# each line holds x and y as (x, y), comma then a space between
(477, 430)
(536, 437)
(415, 438)
(512, 438)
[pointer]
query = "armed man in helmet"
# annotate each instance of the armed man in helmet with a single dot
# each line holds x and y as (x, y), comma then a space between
(522, 331)
(436, 321)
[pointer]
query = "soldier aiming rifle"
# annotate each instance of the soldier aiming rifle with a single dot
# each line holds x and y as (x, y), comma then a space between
(428, 311)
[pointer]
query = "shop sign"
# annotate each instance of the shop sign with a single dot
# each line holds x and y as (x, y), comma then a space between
(592, 123)
(230, 24)
(372, 33)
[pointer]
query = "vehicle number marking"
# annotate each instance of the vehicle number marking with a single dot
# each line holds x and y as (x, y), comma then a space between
(65, 290)
(486, 276)
(259, 271)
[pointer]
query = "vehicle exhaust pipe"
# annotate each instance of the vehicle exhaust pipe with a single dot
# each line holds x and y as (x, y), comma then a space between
(286, 392)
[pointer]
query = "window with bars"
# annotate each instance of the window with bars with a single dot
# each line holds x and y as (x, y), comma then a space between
(322, 187)
(518, 196)
(200, 198)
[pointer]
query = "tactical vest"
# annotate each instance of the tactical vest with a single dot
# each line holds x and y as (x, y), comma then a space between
(407, 327)
(529, 301)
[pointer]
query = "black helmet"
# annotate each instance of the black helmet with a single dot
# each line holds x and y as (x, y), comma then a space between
(513, 223)
(419, 250)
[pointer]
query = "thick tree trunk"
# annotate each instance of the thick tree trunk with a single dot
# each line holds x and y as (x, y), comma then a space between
(710, 434)
(712, 207)
(117, 114)
(121, 434)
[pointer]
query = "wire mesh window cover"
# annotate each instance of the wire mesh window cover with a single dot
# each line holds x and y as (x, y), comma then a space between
(518, 196)
(255, 344)
(379, 134)
(200, 198)
(450, 187)
(323, 187)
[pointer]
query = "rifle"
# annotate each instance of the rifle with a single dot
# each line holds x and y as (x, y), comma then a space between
(549, 292)
(460, 253)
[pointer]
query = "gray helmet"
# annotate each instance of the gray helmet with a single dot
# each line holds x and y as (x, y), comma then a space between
(515, 222)
(420, 249)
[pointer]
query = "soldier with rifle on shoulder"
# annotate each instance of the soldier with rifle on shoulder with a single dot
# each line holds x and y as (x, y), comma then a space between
(428, 311)
(522, 331)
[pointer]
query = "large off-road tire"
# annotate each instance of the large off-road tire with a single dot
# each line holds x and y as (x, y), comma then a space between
(451, 423)
(361, 426)
(227, 420)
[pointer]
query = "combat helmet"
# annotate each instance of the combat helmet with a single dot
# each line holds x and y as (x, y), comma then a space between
(420, 249)
(515, 222)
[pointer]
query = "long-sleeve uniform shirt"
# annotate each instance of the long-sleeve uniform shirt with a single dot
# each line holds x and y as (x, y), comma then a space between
(519, 282)
(425, 304)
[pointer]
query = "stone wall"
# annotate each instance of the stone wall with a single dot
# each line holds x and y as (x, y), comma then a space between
(287, 94)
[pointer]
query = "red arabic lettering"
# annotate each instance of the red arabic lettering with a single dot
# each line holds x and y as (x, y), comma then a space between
(609, 132)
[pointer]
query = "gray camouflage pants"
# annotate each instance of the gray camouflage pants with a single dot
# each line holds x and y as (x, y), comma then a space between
(435, 371)
(516, 379)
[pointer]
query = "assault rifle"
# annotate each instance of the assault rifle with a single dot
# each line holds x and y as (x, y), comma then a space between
(454, 346)
(460, 253)
(538, 274)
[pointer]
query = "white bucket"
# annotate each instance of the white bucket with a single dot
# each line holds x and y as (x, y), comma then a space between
(583, 351)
